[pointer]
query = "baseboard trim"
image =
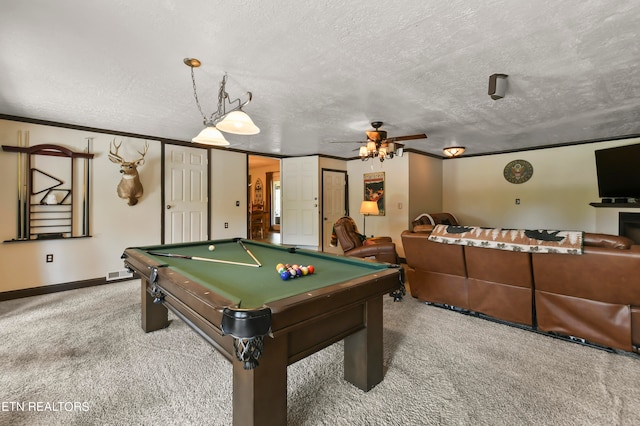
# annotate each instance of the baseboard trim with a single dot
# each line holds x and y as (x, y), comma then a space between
(55, 288)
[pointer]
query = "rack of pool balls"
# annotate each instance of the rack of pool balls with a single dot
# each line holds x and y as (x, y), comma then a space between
(287, 271)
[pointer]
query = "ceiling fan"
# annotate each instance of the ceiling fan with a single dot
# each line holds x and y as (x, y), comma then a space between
(379, 145)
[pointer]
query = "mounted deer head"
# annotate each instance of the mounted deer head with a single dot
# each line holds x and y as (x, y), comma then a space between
(130, 187)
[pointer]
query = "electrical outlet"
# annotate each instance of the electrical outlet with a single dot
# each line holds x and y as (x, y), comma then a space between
(226, 225)
(517, 201)
(49, 258)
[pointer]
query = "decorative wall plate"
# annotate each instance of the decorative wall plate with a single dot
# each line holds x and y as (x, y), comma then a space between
(518, 171)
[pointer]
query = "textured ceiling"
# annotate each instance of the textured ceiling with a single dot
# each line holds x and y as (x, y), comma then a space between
(322, 71)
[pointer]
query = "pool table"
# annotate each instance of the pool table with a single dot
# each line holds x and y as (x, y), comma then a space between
(235, 299)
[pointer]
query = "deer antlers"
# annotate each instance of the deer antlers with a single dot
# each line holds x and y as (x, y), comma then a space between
(114, 157)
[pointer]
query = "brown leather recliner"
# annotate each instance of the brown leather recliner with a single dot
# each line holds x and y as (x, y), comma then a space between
(352, 243)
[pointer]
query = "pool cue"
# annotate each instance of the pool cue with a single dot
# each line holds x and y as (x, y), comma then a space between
(19, 222)
(26, 194)
(250, 254)
(205, 259)
(85, 194)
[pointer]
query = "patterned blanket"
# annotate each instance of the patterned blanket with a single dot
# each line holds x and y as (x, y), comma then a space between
(528, 240)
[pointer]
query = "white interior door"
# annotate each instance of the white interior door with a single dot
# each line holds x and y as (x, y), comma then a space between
(334, 184)
(300, 208)
(185, 191)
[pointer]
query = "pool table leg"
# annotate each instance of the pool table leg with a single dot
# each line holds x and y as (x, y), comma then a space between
(154, 315)
(260, 394)
(363, 350)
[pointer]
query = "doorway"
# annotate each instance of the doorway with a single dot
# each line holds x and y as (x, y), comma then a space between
(275, 202)
(334, 205)
(264, 194)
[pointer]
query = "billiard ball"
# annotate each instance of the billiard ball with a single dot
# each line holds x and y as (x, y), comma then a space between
(279, 266)
(212, 247)
(284, 275)
(311, 269)
(305, 270)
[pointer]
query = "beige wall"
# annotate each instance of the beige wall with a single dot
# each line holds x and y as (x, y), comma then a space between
(396, 196)
(474, 189)
(228, 185)
(425, 185)
(557, 196)
(114, 224)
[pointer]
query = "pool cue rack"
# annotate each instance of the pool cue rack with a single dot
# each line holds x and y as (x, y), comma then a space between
(47, 204)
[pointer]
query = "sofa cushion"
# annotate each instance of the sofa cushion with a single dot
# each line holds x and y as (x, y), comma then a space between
(607, 241)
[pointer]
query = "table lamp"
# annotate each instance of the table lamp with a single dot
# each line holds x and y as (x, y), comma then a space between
(367, 208)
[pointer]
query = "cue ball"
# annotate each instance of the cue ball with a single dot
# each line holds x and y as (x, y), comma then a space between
(212, 247)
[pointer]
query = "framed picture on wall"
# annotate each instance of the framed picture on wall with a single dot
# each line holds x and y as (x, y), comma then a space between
(374, 189)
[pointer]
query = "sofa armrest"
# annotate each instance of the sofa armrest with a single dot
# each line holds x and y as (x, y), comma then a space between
(377, 240)
(383, 252)
(607, 241)
(423, 228)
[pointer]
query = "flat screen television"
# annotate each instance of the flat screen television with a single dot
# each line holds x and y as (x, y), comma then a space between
(618, 172)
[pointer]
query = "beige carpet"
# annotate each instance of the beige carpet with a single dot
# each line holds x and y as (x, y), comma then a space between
(81, 358)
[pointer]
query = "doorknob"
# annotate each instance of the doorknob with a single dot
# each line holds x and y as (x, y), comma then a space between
(169, 206)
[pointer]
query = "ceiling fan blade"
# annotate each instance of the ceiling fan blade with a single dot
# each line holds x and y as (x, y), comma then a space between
(409, 137)
(347, 142)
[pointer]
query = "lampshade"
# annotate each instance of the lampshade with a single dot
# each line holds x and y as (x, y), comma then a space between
(371, 146)
(369, 207)
(239, 123)
(363, 151)
(210, 136)
(453, 151)
(391, 148)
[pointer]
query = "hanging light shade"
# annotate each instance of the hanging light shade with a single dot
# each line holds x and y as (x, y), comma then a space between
(382, 153)
(229, 116)
(210, 136)
(453, 151)
(391, 148)
(239, 123)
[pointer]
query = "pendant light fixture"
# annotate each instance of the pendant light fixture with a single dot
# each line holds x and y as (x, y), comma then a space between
(233, 120)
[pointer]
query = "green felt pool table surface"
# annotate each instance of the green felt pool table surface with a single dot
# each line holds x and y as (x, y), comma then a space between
(252, 287)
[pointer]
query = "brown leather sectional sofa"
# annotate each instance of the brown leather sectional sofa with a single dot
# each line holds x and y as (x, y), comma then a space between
(593, 297)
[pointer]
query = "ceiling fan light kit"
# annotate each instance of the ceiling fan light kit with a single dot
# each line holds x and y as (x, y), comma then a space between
(233, 121)
(381, 147)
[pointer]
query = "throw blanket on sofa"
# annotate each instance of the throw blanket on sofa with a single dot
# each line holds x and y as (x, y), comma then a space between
(534, 240)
